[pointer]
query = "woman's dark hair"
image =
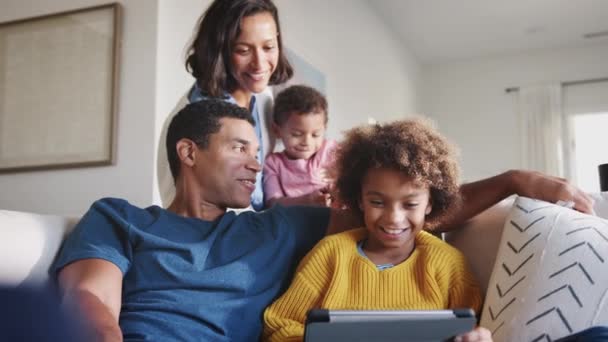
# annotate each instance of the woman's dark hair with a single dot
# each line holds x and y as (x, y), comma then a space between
(209, 55)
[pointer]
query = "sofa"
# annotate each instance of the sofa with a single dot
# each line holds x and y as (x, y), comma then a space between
(29, 242)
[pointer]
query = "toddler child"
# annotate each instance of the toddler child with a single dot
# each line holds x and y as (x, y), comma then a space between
(298, 175)
(400, 177)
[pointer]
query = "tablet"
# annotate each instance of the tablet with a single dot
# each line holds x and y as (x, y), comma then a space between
(384, 326)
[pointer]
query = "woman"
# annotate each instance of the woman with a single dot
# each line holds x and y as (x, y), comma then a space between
(236, 54)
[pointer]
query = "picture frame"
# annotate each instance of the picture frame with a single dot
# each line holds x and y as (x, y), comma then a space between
(58, 89)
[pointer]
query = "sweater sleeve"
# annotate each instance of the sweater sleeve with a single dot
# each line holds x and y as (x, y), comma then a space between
(284, 319)
(464, 292)
(456, 283)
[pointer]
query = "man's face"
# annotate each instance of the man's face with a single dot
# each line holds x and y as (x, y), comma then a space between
(226, 169)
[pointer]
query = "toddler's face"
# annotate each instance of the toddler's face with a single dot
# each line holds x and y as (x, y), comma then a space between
(394, 208)
(302, 134)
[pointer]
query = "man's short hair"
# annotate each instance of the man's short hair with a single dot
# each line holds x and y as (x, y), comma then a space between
(298, 99)
(197, 121)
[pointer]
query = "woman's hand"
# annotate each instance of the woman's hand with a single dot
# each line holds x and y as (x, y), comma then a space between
(479, 334)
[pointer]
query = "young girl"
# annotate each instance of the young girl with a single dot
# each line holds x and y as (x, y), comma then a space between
(299, 175)
(400, 177)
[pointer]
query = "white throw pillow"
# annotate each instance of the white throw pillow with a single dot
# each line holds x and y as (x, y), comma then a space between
(601, 204)
(550, 278)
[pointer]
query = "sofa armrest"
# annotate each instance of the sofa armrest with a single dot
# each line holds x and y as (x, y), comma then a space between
(479, 238)
(28, 245)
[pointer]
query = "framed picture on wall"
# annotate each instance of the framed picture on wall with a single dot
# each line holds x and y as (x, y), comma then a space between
(58, 89)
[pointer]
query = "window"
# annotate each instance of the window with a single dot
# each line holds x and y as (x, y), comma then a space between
(590, 148)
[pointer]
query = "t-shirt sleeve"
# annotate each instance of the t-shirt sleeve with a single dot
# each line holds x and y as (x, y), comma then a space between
(309, 225)
(272, 183)
(102, 233)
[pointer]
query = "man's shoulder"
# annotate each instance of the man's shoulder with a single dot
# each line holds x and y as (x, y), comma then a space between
(300, 211)
(287, 212)
(290, 215)
(120, 211)
(112, 204)
(117, 204)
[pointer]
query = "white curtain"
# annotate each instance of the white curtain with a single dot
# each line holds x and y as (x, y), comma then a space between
(542, 127)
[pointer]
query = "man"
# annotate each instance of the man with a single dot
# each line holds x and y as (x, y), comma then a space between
(194, 271)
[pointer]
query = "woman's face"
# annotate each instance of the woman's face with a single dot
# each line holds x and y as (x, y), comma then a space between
(255, 52)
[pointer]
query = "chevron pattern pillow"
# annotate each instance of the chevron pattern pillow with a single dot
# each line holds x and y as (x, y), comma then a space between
(550, 278)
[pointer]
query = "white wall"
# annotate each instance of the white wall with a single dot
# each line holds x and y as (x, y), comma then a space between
(71, 191)
(369, 72)
(469, 102)
(176, 26)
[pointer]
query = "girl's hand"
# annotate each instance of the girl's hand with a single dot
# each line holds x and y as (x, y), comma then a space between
(478, 334)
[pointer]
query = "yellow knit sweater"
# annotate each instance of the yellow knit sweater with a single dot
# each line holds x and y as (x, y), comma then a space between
(335, 276)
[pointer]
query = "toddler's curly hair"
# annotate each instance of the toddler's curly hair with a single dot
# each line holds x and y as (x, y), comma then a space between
(413, 147)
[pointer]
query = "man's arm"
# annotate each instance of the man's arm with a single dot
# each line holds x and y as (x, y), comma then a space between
(93, 287)
(479, 196)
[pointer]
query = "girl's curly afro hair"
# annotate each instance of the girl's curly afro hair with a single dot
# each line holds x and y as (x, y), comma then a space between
(413, 147)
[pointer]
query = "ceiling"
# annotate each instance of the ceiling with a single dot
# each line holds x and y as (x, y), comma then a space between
(438, 31)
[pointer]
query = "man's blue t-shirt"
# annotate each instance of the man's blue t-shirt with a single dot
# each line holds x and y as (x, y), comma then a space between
(192, 280)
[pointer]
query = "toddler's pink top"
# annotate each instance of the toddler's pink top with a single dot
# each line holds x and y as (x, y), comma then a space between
(284, 177)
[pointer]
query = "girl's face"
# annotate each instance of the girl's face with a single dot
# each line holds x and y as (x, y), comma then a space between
(255, 52)
(302, 134)
(394, 208)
